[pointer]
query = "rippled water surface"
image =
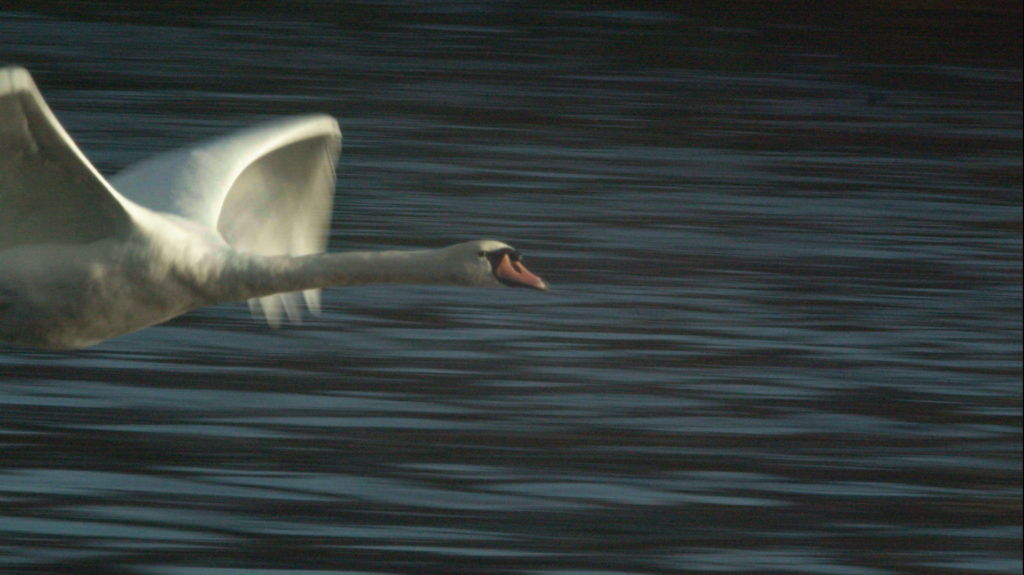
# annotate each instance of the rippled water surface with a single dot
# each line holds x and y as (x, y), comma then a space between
(784, 333)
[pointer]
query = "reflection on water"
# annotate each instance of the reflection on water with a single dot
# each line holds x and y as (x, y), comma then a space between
(784, 334)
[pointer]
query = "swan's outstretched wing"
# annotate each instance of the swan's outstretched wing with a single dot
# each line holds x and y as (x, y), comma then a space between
(49, 192)
(266, 190)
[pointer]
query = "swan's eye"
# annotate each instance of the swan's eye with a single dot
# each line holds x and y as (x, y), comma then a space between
(482, 253)
(495, 257)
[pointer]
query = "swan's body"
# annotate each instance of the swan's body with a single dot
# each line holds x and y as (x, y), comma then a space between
(239, 217)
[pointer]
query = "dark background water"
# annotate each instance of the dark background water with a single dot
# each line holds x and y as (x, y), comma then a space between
(784, 335)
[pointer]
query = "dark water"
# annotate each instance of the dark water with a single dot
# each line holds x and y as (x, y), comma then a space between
(784, 334)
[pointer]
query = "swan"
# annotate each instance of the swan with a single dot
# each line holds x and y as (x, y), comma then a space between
(240, 217)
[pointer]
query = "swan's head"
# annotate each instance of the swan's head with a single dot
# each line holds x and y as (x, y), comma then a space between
(490, 263)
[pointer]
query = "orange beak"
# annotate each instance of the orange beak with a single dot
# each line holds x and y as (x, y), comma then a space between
(515, 274)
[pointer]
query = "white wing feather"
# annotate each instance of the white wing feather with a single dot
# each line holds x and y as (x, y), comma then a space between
(267, 190)
(49, 192)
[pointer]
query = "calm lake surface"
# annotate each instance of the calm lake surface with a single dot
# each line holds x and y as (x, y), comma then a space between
(784, 334)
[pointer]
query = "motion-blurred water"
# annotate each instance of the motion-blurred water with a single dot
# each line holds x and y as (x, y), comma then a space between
(784, 333)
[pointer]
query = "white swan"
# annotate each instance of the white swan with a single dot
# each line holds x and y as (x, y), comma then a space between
(239, 217)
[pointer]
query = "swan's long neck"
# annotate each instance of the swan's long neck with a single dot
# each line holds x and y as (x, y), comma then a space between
(255, 276)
